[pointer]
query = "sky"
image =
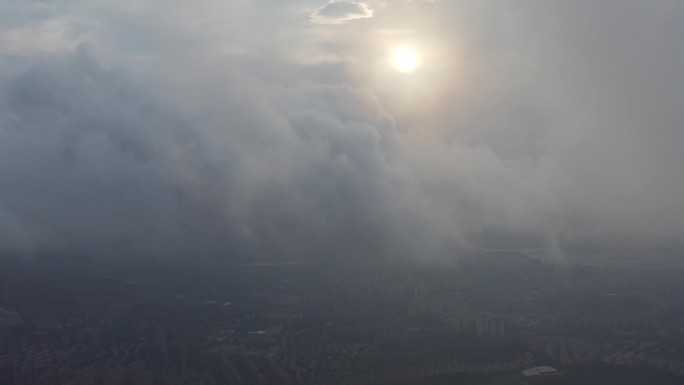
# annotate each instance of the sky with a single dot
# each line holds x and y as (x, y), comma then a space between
(281, 130)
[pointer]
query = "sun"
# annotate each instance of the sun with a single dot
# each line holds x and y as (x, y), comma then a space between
(405, 59)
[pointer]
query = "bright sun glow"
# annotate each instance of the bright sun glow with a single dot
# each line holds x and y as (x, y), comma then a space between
(405, 59)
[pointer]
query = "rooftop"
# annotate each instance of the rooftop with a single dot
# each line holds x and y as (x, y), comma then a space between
(539, 371)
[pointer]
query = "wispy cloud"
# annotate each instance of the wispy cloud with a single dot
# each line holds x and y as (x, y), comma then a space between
(50, 36)
(341, 11)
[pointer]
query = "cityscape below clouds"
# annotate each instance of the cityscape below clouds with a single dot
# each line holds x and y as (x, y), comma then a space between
(341, 192)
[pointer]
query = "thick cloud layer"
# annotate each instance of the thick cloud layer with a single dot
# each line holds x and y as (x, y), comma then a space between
(549, 125)
(91, 160)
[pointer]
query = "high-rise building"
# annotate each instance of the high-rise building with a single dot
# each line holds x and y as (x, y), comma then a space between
(420, 303)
